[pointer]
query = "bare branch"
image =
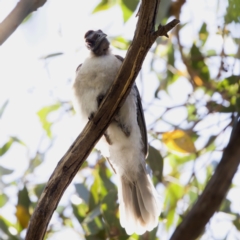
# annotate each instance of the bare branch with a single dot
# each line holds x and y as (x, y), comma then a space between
(81, 148)
(215, 191)
(16, 16)
(163, 30)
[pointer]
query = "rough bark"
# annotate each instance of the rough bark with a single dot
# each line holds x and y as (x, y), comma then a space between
(70, 163)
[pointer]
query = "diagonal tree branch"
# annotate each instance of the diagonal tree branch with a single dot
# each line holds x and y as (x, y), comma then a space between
(69, 165)
(209, 202)
(16, 16)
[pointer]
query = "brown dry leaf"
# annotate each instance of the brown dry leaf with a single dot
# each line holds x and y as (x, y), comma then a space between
(179, 141)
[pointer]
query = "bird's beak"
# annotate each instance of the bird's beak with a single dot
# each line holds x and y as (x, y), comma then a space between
(99, 40)
(93, 41)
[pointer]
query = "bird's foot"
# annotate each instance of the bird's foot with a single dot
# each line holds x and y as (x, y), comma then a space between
(99, 99)
(90, 117)
(109, 141)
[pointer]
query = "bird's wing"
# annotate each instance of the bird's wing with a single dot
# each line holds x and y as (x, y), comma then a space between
(140, 116)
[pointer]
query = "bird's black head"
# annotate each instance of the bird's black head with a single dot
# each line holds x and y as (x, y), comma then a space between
(97, 42)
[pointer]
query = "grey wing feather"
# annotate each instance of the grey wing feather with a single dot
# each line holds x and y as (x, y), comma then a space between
(140, 117)
(141, 122)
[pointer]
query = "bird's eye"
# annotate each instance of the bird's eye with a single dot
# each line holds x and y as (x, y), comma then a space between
(88, 33)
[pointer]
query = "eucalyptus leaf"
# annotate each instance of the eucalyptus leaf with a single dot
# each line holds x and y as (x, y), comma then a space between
(5, 171)
(43, 116)
(155, 161)
(198, 65)
(4, 226)
(233, 11)
(23, 198)
(92, 224)
(2, 109)
(104, 5)
(3, 199)
(203, 33)
(82, 191)
(52, 55)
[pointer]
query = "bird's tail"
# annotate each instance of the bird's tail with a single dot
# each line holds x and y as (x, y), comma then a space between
(138, 204)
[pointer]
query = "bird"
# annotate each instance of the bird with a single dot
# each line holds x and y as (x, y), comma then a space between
(124, 144)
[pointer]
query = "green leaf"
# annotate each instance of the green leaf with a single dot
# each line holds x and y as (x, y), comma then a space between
(92, 215)
(82, 191)
(128, 7)
(3, 199)
(2, 109)
(109, 209)
(39, 189)
(150, 235)
(105, 175)
(6, 147)
(43, 115)
(8, 144)
(193, 195)
(170, 62)
(176, 160)
(233, 11)
(210, 142)
(104, 5)
(5, 171)
(163, 11)
(236, 222)
(203, 33)
(211, 52)
(36, 161)
(198, 64)
(192, 112)
(131, 4)
(155, 161)
(120, 43)
(174, 192)
(27, 18)
(170, 218)
(23, 198)
(233, 79)
(226, 206)
(95, 191)
(4, 226)
(52, 55)
(92, 224)
(125, 12)
(215, 107)
(80, 211)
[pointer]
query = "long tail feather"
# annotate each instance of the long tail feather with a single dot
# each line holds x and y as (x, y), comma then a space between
(139, 206)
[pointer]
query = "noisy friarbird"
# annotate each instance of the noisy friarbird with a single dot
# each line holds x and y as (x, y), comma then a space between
(124, 144)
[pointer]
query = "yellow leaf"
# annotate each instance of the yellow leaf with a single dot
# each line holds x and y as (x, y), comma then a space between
(198, 80)
(179, 141)
(22, 215)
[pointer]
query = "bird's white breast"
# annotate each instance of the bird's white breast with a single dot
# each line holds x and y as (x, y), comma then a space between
(96, 72)
(93, 78)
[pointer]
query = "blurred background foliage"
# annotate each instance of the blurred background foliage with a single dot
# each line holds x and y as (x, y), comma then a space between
(186, 136)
